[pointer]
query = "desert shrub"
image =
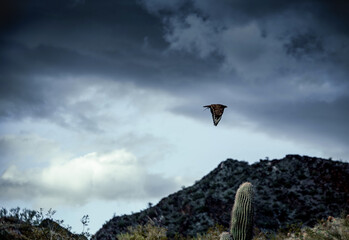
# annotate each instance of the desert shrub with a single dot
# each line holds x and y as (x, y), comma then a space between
(140, 232)
(330, 229)
(211, 234)
(333, 228)
(152, 232)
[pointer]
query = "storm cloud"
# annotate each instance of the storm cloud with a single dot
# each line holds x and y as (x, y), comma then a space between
(284, 65)
(281, 67)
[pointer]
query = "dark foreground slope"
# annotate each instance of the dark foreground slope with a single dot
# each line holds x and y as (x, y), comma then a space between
(290, 190)
(12, 228)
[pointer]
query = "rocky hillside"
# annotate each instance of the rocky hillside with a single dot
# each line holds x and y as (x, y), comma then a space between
(290, 190)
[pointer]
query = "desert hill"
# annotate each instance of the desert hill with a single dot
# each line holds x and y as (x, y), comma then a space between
(294, 189)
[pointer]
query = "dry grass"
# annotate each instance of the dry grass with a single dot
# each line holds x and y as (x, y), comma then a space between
(330, 229)
(152, 232)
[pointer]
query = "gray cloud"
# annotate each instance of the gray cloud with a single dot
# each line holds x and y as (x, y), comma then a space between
(115, 41)
(276, 63)
(287, 63)
(303, 45)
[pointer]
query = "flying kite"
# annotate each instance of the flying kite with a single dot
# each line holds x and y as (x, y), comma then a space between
(216, 111)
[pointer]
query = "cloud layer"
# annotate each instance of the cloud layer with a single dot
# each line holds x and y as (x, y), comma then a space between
(283, 66)
(115, 176)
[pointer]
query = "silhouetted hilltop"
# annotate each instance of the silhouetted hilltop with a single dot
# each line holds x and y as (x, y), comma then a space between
(290, 190)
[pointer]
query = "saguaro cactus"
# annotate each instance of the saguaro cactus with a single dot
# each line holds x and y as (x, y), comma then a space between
(241, 226)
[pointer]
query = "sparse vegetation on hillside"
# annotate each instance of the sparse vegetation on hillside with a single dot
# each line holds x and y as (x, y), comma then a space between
(150, 231)
(332, 229)
(17, 224)
(25, 224)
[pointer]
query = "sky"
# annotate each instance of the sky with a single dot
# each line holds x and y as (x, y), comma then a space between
(101, 102)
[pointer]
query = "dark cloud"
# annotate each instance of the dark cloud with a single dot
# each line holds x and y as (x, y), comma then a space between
(288, 61)
(304, 44)
(313, 120)
(36, 81)
(66, 39)
(277, 63)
